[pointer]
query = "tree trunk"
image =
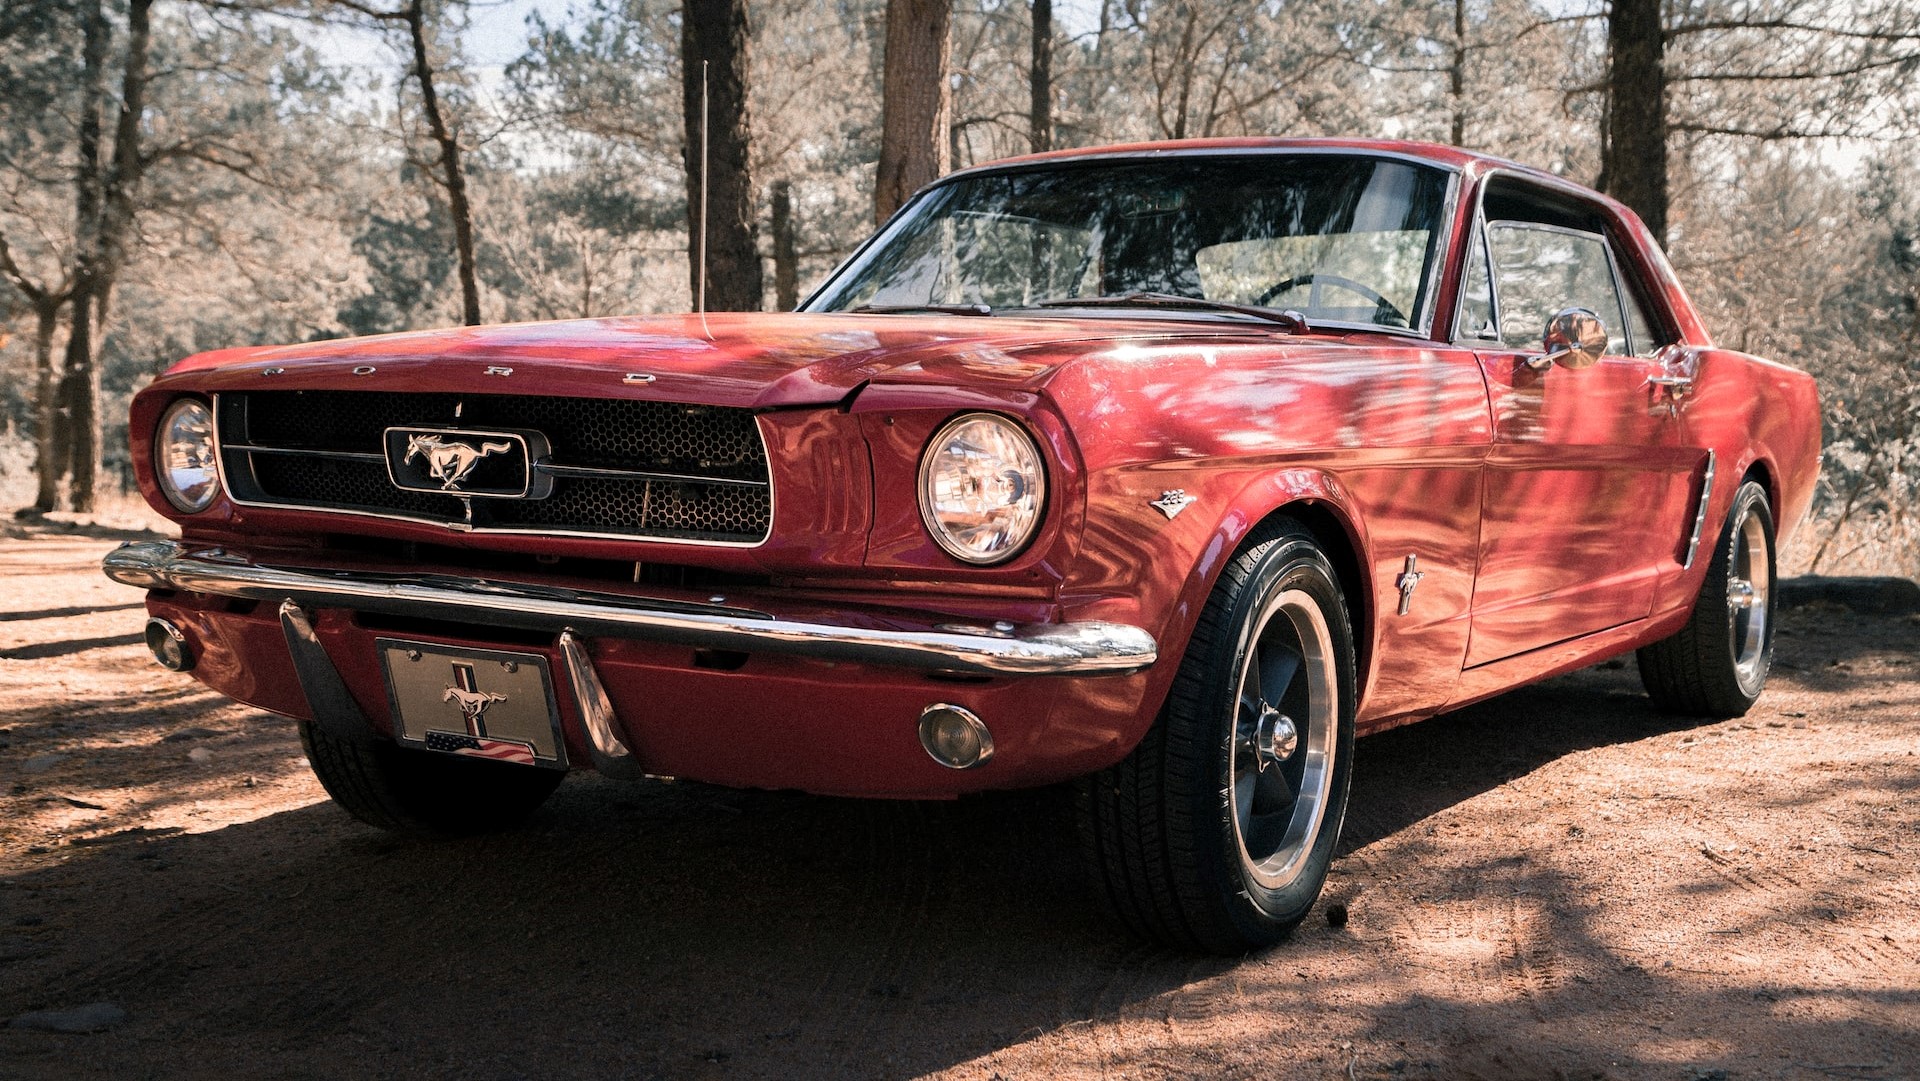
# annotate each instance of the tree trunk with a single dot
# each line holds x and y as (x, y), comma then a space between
(128, 166)
(917, 101)
(1457, 73)
(1633, 162)
(786, 260)
(48, 453)
(453, 177)
(713, 33)
(1040, 113)
(1186, 55)
(76, 431)
(46, 300)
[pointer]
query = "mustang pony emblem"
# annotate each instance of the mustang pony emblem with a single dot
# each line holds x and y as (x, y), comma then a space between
(473, 705)
(450, 462)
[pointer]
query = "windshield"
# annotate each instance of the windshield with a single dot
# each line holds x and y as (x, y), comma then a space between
(1338, 239)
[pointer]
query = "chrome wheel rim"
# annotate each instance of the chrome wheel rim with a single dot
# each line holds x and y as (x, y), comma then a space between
(1285, 717)
(1749, 583)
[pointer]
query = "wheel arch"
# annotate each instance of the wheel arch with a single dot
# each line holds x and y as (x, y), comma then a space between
(1762, 472)
(1341, 538)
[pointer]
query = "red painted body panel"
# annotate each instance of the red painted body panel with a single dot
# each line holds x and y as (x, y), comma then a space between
(1587, 500)
(1549, 512)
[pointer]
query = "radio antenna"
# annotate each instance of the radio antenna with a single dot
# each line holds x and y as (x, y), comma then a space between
(700, 290)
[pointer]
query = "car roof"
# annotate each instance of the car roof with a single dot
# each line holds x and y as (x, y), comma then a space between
(1473, 165)
(1448, 157)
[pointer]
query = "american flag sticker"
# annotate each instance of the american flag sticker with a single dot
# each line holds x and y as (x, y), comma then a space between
(499, 750)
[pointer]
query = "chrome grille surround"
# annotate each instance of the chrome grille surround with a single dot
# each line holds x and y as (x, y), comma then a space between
(623, 469)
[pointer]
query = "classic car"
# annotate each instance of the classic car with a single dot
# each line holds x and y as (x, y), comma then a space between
(1166, 470)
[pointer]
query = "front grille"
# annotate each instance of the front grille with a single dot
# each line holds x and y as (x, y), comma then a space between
(618, 468)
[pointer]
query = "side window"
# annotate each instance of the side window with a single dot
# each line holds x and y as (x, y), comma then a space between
(1540, 269)
(1476, 295)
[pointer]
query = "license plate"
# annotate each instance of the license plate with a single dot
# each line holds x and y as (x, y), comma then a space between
(481, 703)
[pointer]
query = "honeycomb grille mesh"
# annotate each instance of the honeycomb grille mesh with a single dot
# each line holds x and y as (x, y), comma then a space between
(697, 445)
(345, 485)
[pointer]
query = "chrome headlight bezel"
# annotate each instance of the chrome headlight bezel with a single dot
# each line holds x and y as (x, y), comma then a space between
(1030, 466)
(190, 482)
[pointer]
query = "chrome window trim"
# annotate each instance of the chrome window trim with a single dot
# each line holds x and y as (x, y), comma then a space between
(1657, 308)
(773, 506)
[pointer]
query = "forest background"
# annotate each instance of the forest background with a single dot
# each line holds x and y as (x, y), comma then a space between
(181, 175)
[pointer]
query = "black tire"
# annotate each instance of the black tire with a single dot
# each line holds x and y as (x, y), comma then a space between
(424, 792)
(1717, 664)
(1175, 835)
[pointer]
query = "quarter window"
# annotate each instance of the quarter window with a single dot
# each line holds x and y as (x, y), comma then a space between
(1476, 295)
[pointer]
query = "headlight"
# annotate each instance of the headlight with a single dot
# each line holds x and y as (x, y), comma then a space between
(183, 456)
(982, 487)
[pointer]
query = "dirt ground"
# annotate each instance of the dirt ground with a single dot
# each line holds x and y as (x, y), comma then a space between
(1558, 884)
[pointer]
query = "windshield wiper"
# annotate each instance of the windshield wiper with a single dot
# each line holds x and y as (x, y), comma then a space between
(941, 309)
(1290, 318)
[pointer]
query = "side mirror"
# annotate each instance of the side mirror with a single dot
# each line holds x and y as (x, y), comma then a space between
(1575, 338)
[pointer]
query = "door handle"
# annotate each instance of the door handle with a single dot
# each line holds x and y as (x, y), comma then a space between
(1678, 384)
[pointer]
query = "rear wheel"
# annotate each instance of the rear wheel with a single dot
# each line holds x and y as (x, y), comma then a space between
(1217, 831)
(424, 792)
(1716, 665)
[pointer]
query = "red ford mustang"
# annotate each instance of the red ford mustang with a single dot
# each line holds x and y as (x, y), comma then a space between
(1165, 469)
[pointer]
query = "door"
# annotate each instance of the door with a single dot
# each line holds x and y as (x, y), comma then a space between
(1589, 468)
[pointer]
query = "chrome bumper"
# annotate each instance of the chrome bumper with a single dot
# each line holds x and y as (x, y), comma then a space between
(1035, 649)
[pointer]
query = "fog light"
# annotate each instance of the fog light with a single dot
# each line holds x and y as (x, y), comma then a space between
(169, 645)
(954, 736)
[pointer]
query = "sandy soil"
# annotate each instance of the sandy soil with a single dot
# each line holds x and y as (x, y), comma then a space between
(1558, 884)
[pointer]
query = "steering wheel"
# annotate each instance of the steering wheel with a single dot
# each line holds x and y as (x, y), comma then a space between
(1383, 308)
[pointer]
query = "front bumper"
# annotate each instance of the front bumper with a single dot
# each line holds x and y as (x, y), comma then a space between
(1034, 649)
(814, 696)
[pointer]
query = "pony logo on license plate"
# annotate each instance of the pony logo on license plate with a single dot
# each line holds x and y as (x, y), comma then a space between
(479, 703)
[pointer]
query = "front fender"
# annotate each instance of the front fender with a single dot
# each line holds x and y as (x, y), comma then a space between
(1139, 564)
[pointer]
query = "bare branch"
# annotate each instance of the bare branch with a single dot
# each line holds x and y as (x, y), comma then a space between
(1734, 25)
(1773, 134)
(1795, 76)
(33, 290)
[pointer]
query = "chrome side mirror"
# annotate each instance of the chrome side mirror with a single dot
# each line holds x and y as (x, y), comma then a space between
(1575, 338)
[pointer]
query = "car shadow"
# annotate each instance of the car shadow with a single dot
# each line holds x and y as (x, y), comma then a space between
(676, 930)
(652, 929)
(1407, 774)
(40, 651)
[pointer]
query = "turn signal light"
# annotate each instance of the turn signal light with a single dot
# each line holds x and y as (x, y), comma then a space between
(954, 736)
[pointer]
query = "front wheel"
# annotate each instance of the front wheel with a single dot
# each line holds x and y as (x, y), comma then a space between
(1716, 665)
(1217, 831)
(424, 792)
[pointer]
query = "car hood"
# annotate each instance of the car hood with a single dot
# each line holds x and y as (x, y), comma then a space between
(753, 360)
(750, 360)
